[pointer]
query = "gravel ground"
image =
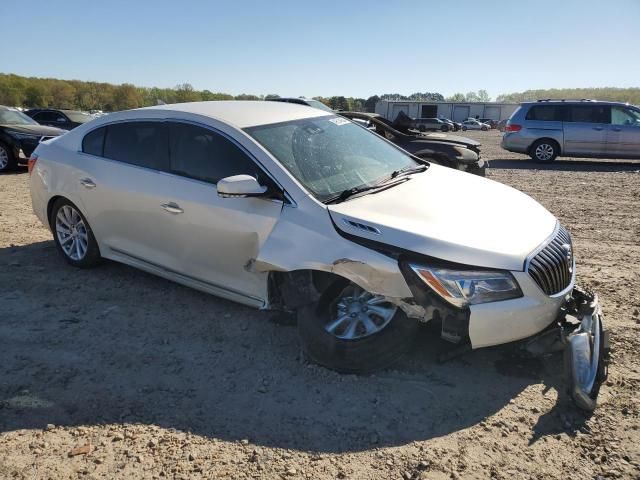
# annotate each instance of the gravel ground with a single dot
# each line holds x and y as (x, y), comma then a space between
(113, 373)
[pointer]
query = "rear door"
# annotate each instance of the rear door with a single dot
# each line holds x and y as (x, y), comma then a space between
(585, 129)
(123, 186)
(623, 137)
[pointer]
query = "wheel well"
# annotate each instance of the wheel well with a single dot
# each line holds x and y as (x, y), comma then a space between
(289, 291)
(548, 139)
(52, 200)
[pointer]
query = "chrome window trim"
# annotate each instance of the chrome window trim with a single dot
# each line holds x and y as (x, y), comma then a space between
(289, 200)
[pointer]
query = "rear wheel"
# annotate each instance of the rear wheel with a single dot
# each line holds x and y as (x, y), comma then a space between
(544, 150)
(464, 129)
(484, 129)
(73, 235)
(7, 159)
(355, 331)
(422, 128)
(444, 128)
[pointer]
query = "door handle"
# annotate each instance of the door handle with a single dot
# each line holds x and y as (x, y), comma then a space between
(616, 129)
(597, 128)
(87, 183)
(172, 208)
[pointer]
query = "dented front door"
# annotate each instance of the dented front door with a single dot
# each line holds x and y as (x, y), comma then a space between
(220, 237)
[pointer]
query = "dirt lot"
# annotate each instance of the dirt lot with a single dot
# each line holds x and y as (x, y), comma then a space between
(159, 381)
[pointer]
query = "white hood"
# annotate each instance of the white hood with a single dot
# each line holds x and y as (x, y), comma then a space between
(453, 216)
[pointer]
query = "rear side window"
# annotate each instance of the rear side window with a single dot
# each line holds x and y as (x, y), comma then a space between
(589, 113)
(93, 142)
(144, 144)
(205, 155)
(544, 113)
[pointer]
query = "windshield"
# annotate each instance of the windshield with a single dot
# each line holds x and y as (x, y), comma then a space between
(79, 117)
(318, 104)
(15, 117)
(331, 154)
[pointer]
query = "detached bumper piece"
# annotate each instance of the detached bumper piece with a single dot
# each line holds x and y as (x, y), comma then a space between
(586, 349)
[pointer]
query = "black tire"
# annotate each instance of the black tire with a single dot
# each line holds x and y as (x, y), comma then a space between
(373, 352)
(544, 150)
(422, 128)
(464, 129)
(444, 128)
(92, 256)
(484, 129)
(11, 162)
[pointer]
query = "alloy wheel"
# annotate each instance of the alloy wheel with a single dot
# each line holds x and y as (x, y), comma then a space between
(544, 152)
(4, 158)
(359, 314)
(72, 233)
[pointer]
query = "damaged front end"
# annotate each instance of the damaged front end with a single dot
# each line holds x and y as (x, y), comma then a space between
(579, 333)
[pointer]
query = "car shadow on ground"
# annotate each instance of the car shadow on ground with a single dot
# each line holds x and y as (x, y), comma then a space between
(116, 345)
(16, 171)
(567, 165)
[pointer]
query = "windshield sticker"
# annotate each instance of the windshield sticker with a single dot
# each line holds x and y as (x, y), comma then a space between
(339, 121)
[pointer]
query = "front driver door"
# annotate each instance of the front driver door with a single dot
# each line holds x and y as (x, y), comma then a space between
(623, 138)
(220, 237)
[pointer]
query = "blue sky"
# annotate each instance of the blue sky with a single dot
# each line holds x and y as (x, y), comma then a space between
(348, 47)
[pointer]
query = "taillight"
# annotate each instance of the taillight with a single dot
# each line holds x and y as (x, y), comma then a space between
(512, 127)
(32, 162)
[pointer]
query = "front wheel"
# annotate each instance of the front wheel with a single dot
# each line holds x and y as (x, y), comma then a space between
(355, 331)
(464, 129)
(544, 151)
(444, 128)
(7, 159)
(484, 129)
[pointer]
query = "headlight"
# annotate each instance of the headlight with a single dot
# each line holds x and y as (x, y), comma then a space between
(469, 287)
(23, 136)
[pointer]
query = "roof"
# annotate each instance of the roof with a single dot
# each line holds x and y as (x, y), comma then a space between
(245, 113)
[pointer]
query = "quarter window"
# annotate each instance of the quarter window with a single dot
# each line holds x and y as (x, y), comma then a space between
(143, 144)
(93, 142)
(49, 117)
(589, 114)
(202, 154)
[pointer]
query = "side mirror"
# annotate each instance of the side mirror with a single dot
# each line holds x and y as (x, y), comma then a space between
(240, 186)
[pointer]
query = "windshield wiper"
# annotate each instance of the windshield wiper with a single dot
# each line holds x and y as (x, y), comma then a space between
(408, 171)
(350, 192)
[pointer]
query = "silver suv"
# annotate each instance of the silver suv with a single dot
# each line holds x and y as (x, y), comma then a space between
(574, 128)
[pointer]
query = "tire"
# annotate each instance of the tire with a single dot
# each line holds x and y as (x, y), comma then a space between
(464, 129)
(7, 158)
(422, 128)
(355, 355)
(544, 151)
(484, 129)
(444, 128)
(65, 216)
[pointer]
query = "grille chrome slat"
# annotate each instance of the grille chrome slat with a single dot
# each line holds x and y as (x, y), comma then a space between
(552, 266)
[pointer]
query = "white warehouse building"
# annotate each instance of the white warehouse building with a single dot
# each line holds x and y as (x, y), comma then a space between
(456, 111)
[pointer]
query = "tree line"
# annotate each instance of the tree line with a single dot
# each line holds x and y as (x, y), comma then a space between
(33, 92)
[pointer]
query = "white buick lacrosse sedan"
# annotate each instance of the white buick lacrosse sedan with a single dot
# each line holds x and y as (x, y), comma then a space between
(286, 207)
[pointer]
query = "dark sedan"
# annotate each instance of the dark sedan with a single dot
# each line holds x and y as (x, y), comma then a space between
(19, 137)
(448, 150)
(66, 119)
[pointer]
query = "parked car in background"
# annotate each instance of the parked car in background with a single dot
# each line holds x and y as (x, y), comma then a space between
(574, 128)
(431, 125)
(454, 126)
(447, 150)
(473, 124)
(66, 119)
(19, 137)
(489, 121)
(501, 125)
(310, 102)
(313, 215)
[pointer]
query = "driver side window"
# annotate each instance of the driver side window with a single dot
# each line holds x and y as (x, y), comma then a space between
(624, 116)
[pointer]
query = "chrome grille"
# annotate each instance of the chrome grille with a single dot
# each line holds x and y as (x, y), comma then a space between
(552, 267)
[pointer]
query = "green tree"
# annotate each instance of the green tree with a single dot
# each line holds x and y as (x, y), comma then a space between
(126, 96)
(186, 93)
(370, 103)
(456, 97)
(483, 96)
(36, 95)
